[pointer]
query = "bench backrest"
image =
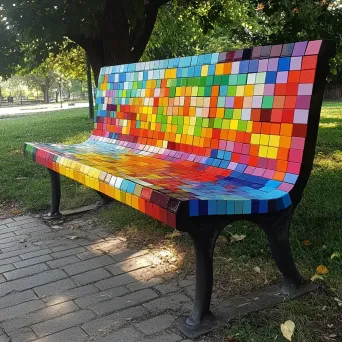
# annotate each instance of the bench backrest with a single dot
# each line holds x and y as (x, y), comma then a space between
(253, 110)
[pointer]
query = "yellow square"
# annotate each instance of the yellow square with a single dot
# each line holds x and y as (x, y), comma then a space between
(274, 140)
(173, 73)
(225, 124)
(220, 112)
(194, 91)
(204, 71)
(255, 139)
(272, 152)
(219, 69)
(240, 90)
(264, 139)
(263, 151)
(249, 90)
(234, 124)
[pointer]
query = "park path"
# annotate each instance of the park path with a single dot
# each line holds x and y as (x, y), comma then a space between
(58, 284)
(41, 108)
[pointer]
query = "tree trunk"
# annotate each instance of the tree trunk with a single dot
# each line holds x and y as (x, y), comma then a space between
(90, 91)
(117, 42)
(46, 95)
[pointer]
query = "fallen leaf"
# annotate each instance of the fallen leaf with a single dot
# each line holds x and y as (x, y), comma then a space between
(330, 325)
(257, 269)
(236, 237)
(316, 276)
(339, 302)
(335, 255)
(332, 335)
(72, 237)
(287, 329)
(321, 269)
(307, 243)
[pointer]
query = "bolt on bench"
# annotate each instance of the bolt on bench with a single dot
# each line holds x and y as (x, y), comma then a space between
(199, 142)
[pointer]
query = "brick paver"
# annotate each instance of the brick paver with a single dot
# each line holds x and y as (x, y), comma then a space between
(92, 288)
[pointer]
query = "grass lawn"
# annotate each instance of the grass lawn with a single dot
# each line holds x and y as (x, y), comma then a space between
(318, 219)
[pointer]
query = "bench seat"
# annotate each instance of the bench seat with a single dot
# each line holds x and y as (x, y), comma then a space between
(167, 179)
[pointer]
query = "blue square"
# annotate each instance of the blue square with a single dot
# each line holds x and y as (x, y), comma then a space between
(271, 77)
(211, 207)
(284, 64)
(194, 207)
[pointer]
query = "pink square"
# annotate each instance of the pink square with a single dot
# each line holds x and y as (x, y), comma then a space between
(256, 52)
(303, 102)
(258, 172)
(297, 143)
(269, 89)
(273, 64)
(285, 187)
(249, 170)
(222, 145)
(244, 159)
(245, 148)
(295, 155)
(269, 174)
(230, 146)
(313, 47)
(238, 147)
(293, 168)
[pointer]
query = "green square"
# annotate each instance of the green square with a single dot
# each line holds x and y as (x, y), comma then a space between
(180, 120)
(202, 81)
(217, 123)
(174, 120)
(260, 78)
(217, 80)
(221, 101)
(242, 125)
(168, 83)
(164, 119)
(233, 79)
(207, 91)
(225, 80)
(179, 129)
(197, 131)
(172, 92)
(136, 76)
(209, 80)
(197, 81)
(231, 91)
(118, 107)
(205, 122)
(242, 79)
(134, 93)
(159, 118)
(228, 113)
(140, 84)
(211, 123)
(267, 102)
(101, 79)
(163, 127)
(190, 82)
(225, 124)
(183, 82)
(158, 83)
(200, 91)
(199, 122)
(128, 93)
(160, 111)
(178, 82)
(137, 124)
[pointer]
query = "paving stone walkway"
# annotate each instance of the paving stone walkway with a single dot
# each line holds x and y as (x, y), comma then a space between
(59, 285)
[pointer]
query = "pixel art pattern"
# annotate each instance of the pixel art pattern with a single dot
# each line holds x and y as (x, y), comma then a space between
(217, 134)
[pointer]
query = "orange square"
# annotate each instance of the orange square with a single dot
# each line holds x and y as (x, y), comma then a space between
(275, 129)
(240, 136)
(290, 102)
(279, 176)
(280, 89)
(215, 91)
(238, 102)
(282, 165)
(224, 134)
(286, 129)
(227, 68)
(231, 135)
(254, 150)
(293, 76)
(278, 101)
(285, 142)
(213, 102)
(256, 128)
(255, 115)
(266, 128)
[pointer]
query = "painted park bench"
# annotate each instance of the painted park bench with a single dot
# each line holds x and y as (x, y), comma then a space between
(199, 142)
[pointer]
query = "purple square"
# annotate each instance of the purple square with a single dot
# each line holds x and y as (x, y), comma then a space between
(303, 102)
(257, 102)
(273, 64)
(238, 55)
(265, 51)
(282, 76)
(249, 170)
(298, 143)
(296, 63)
(232, 166)
(299, 49)
(305, 89)
(263, 65)
(269, 89)
(229, 102)
(258, 171)
(301, 116)
(285, 187)
(287, 49)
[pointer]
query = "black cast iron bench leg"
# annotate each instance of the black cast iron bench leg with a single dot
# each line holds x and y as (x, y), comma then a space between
(54, 213)
(277, 230)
